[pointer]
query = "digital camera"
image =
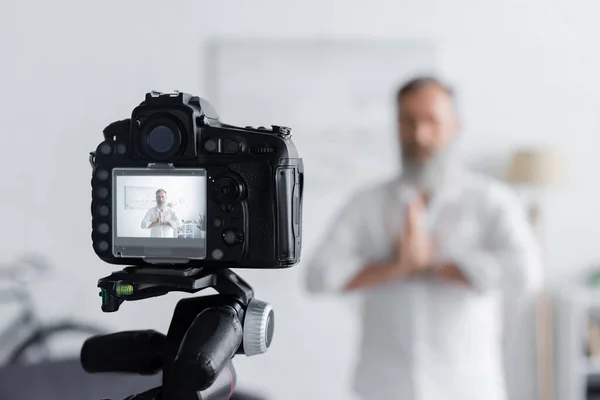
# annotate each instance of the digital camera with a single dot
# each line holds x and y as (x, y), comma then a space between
(173, 185)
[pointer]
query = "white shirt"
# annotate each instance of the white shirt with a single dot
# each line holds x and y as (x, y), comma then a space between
(426, 339)
(162, 231)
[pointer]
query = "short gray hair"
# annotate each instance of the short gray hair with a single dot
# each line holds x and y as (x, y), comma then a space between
(420, 82)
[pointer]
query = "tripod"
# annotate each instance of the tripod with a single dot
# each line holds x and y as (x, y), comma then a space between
(204, 335)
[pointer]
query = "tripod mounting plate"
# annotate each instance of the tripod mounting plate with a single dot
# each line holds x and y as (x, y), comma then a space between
(138, 283)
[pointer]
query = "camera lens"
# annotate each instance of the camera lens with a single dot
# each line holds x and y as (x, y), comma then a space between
(161, 139)
(225, 190)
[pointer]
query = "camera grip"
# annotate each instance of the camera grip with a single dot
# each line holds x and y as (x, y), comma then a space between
(208, 346)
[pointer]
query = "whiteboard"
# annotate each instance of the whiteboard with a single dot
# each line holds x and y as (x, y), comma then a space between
(336, 95)
(139, 197)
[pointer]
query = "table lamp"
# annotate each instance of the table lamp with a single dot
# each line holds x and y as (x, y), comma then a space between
(536, 170)
(537, 167)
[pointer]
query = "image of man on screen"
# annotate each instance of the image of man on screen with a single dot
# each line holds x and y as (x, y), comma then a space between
(162, 220)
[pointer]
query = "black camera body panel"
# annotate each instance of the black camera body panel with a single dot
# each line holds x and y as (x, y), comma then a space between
(254, 181)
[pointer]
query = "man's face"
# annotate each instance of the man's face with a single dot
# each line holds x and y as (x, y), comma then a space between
(427, 123)
(161, 198)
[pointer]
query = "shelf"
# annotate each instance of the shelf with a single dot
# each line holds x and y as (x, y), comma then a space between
(593, 366)
(587, 296)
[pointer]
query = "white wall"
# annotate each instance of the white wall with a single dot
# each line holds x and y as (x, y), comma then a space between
(526, 74)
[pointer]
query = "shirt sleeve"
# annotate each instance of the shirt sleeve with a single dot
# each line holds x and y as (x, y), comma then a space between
(509, 257)
(338, 257)
(174, 220)
(148, 219)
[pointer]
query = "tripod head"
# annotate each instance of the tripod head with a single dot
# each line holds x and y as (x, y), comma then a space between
(204, 335)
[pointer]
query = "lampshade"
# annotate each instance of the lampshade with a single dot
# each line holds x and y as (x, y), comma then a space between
(536, 167)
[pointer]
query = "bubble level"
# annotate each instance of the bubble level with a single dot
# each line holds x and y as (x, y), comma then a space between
(124, 289)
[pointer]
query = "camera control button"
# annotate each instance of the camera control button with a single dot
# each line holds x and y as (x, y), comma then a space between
(231, 236)
(102, 192)
(225, 190)
(105, 149)
(229, 146)
(211, 146)
(217, 254)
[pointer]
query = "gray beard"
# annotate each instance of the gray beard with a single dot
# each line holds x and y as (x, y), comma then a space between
(432, 174)
(161, 206)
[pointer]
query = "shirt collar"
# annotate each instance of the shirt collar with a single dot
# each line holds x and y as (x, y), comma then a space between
(451, 182)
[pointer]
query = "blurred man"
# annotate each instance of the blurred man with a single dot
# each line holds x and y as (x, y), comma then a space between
(162, 219)
(432, 251)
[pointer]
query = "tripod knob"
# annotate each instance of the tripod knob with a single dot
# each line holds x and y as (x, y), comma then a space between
(259, 324)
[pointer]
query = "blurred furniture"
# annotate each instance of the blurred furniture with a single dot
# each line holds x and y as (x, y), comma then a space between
(535, 170)
(25, 339)
(187, 230)
(66, 380)
(577, 317)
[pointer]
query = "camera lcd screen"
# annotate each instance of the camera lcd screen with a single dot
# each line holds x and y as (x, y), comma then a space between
(159, 213)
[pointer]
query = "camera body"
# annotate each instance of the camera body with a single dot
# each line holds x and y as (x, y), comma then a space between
(173, 185)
